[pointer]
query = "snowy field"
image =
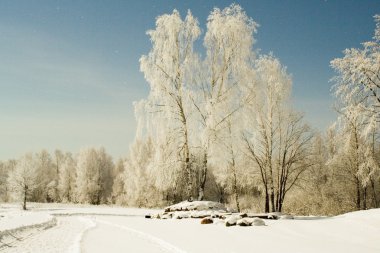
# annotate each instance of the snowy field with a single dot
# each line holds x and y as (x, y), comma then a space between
(68, 228)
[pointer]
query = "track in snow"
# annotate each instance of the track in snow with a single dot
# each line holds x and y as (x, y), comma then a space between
(65, 237)
(123, 239)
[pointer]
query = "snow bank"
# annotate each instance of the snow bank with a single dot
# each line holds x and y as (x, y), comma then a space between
(14, 220)
(16, 225)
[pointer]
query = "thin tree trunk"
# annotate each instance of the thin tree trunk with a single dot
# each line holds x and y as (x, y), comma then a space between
(266, 200)
(25, 194)
(358, 194)
(374, 193)
(236, 189)
(203, 178)
(189, 188)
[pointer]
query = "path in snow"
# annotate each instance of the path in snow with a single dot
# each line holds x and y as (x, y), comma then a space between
(123, 239)
(64, 237)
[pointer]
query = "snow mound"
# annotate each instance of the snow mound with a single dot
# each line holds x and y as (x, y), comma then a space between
(196, 206)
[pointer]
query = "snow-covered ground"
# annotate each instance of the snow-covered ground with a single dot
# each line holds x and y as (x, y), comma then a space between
(109, 229)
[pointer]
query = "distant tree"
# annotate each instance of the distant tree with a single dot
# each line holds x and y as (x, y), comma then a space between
(140, 180)
(47, 187)
(67, 177)
(23, 180)
(94, 176)
(58, 160)
(118, 193)
(5, 169)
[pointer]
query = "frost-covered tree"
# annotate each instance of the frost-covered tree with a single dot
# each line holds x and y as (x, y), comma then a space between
(67, 178)
(167, 68)
(118, 193)
(221, 77)
(5, 169)
(276, 138)
(358, 76)
(355, 160)
(23, 180)
(357, 87)
(94, 176)
(140, 180)
(46, 172)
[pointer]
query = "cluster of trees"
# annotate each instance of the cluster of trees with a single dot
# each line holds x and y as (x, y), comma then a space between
(61, 177)
(222, 127)
(227, 114)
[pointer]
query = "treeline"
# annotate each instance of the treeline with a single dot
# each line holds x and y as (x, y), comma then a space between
(222, 127)
(61, 177)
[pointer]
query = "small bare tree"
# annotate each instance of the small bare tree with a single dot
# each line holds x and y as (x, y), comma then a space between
(23, 179)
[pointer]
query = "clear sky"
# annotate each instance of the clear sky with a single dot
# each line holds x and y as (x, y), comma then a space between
(69, 70)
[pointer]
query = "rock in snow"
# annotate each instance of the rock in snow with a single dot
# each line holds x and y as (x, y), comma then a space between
(244, 222)
(258, 222)
(231, 221)
(207, 220)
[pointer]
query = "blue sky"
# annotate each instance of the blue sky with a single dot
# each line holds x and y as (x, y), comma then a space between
(69, 70)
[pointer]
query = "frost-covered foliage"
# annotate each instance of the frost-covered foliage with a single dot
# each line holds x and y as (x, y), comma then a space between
(5, 169)
(139, 182)
(118, 192)
(276, 139)
(61, 177)
(167, 68)
(23, 179)
(67, 178)
(219, 94)
(357, 87)
(357, 84)
(94, 176)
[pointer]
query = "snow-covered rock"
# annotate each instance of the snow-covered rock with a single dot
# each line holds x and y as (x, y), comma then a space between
(258, 222)
(244, 222)
(201, 214)
(181, 215)
(270, 216)
(286, 217)
(231, 221)
(196, 205)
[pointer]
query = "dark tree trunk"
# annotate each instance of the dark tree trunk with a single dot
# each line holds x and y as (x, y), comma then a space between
(25, 195)
(266, 200)
(272, 200)
(203, 178)
(375, 203)
(358, 202)
(236, 190)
